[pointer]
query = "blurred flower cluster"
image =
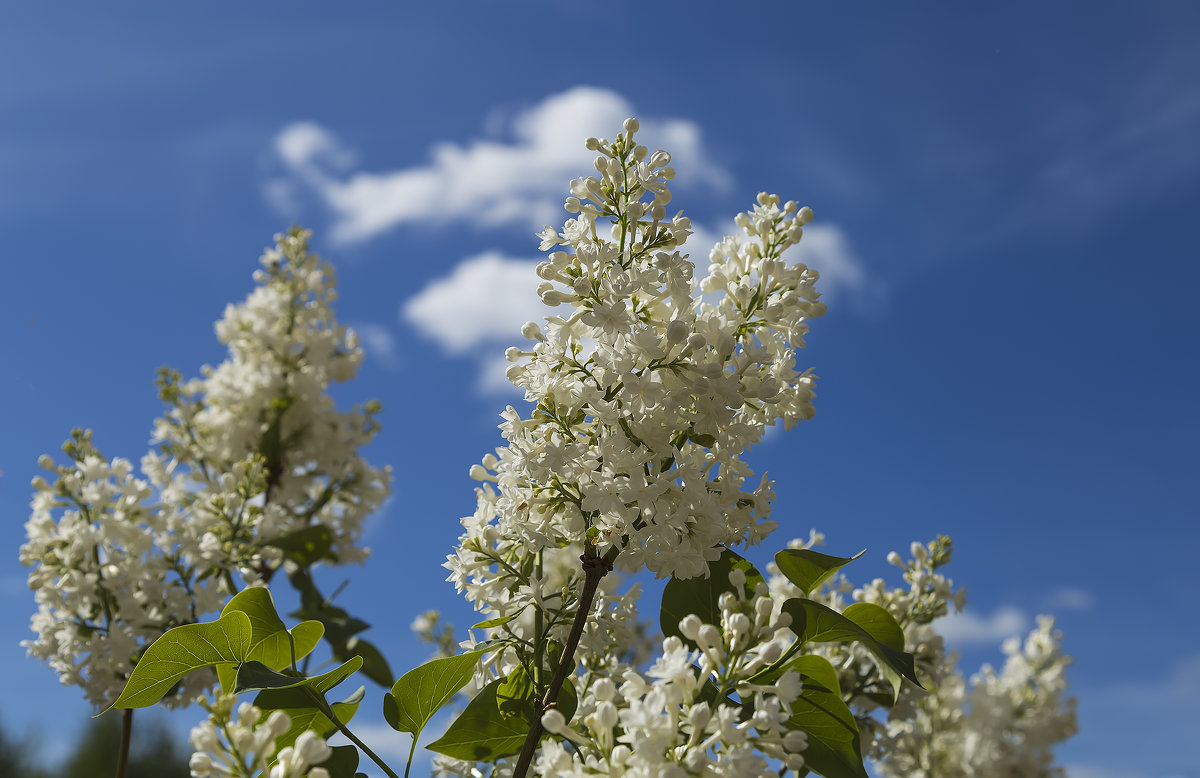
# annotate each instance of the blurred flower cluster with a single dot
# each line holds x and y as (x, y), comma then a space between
(247, 459)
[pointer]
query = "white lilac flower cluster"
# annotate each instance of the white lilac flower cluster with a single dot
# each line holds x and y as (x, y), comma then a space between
(691, 712)
(247, 454)
(645, 397)
(104, 586)
(264, 414)
(995, 725)
(245, 747)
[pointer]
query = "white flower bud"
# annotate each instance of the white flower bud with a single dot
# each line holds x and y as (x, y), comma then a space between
(631, 125)
(804, 216)
(278, 722)
(553, 721)
(531, 331)
(771, 653)
(795, 740)
(592, 144)
(737, 578)
(604, 690)
(689, 626)
(739, 624)
(605, 716)
(312, 748)
(202, 765)
(698, 716)
(708, 637)
(677, 331)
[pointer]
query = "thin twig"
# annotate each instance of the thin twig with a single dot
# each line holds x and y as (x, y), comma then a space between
(126, 736)
(595, 567)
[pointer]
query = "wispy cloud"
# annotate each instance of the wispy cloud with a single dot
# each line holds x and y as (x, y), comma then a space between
(379, 344)
(484, 181)
(1092, 771)
(1069, 598)
(1153, 704)
(967, 628)
(1142, 155)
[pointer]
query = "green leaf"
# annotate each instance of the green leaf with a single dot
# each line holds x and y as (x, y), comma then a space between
(270, 642)
(808, 569)
(305, 636)
(182, 650)
(496, 622)
(834, 748)
(340, 629)
(375, 666)
(700, 595)
(482, 733)
(254, 676)
(421, 692)
(878, 622)
(812, 621)
(515, 695)
(306, 546)
(342, 763)
(303, 709)
(340, 626)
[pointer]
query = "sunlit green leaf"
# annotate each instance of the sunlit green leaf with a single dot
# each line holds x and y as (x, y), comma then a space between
(878, 622)
(483, 733)
(833, 739)
(496, 622)
(182, 650)
(808, 569)
(270, 643)
(422, 691)
(814, 622)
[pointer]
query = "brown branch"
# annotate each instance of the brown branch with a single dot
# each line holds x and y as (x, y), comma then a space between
(595, 567)
(126, 736)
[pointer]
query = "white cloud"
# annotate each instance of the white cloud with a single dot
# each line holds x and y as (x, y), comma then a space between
(1091, 771)
(826, 249)
(493, 378)
(488, 182)
(379, 344)
(484, 300)
(1069, 598)
(962, 629)
(391, 746)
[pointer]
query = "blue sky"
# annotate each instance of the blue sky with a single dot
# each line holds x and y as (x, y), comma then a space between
(1003, 196)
